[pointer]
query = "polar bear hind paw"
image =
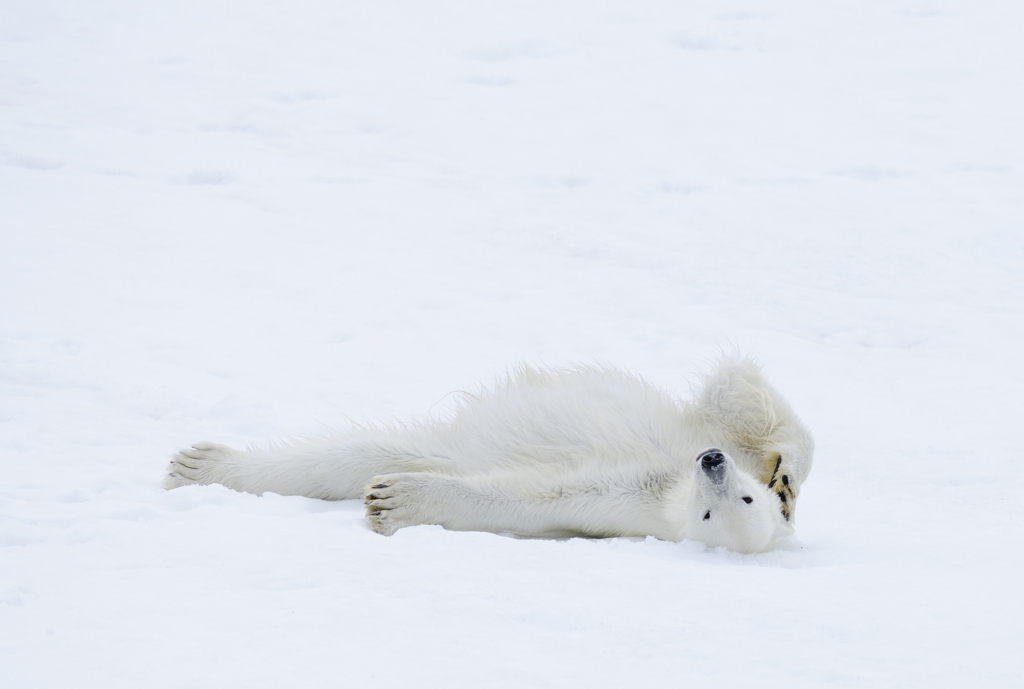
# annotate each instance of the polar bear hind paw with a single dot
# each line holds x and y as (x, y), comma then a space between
(391, 503)
(199, 464)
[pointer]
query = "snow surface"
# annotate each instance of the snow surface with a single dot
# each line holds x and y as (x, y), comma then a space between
(236, 221)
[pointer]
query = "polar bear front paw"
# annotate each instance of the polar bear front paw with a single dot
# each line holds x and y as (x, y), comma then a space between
(783, 488)
(203, 463)
(394, 501)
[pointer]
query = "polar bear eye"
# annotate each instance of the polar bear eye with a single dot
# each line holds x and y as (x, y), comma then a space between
(707, 515)
(748, 500)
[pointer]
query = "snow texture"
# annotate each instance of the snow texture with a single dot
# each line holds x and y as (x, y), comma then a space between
(236, 221)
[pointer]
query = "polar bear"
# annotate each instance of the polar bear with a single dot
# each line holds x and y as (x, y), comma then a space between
(585, 450)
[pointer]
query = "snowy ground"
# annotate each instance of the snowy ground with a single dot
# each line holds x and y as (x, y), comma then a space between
(237, 221)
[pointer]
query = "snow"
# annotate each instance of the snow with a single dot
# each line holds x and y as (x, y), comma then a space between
(243, 221)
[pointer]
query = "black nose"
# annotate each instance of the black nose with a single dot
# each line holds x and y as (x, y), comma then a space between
(712, 463)
(712, 459)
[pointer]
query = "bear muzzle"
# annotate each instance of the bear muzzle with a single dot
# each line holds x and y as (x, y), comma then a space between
(713, 464)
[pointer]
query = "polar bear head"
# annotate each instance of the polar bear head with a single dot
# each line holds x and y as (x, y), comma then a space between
(731, 508)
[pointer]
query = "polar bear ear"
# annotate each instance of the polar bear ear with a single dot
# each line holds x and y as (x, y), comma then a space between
(783, 529)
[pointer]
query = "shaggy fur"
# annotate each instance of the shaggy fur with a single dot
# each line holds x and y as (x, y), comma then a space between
(584, 450)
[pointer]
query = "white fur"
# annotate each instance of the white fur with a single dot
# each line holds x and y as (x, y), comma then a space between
(585, 450)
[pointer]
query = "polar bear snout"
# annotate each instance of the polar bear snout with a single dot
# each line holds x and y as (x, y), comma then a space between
(711, 458)
(713, 464)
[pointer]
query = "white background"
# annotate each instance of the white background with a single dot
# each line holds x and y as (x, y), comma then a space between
(240, 221)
